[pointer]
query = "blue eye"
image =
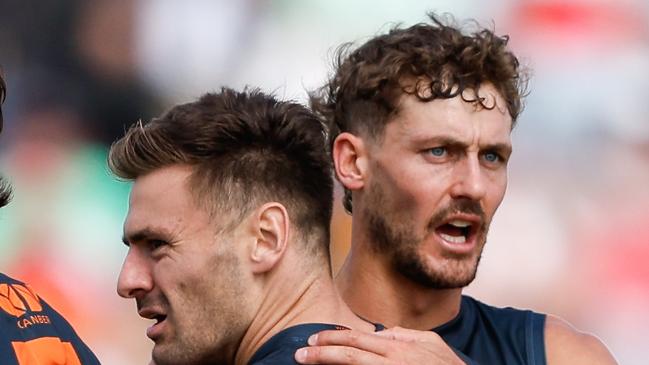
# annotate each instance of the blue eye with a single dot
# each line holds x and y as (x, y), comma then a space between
(438, 151)
(491, 157)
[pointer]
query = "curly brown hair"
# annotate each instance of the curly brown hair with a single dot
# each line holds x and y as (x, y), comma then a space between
(429, 61)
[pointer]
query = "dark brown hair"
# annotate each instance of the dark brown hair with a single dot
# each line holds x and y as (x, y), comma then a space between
(429, 61)
(246, 148)
(3, 93)
(5, 188)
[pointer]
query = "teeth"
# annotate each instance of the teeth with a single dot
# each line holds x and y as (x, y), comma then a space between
(453, 239)
(458, 223)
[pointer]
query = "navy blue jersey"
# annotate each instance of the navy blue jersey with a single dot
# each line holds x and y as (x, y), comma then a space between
(33, 333)
(490, 335)
(281, 348)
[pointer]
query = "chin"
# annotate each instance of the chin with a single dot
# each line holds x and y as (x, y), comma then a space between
(458, 273)
(448, 273)
(162, 357)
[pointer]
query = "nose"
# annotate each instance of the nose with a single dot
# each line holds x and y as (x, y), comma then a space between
(469, 180)
(135, 277)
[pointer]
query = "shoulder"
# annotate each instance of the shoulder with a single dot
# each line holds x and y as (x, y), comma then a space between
(31, 325)
(506, 316)
(514, 336)
(281, 347)
(4, 279)
(566, 345)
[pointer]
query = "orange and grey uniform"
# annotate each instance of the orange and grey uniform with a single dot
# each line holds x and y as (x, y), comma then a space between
(33, 333)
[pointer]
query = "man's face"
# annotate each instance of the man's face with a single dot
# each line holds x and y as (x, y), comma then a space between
(182, 272)
(435, 180)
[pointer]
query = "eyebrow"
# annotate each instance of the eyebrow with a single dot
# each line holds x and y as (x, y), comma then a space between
(142, 234)
(452, 142)
(447, 140)
(500, 147)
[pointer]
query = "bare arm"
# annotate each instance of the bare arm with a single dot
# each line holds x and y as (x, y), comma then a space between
(566, 345)
(389, 347)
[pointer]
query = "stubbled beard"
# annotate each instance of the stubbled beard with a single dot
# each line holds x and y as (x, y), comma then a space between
(392, 234)
(5, 192)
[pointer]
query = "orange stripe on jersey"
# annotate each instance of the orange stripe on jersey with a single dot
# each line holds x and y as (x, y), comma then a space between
(45, 351)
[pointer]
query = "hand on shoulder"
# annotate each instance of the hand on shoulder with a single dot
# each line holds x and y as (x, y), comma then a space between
(566, 345)
(393, 346)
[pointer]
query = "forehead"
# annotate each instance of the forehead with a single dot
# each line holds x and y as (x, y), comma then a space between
(162, 198)
(454, 117)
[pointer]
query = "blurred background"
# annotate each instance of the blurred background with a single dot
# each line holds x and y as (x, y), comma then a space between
(571, 237)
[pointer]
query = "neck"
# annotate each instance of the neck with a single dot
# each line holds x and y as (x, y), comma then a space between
(393, 300)
(311, 297)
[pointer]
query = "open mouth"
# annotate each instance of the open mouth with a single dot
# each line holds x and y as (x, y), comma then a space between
(159, 318)
(155, 331)
(457, 231)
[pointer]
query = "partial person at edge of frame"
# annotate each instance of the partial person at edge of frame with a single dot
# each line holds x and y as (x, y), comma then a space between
(31, 331)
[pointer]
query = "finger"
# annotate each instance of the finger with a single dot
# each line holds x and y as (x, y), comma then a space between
(408, 335)
(335, 355)
(368, 342)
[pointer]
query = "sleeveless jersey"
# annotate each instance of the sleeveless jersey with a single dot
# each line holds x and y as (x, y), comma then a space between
(490, 335)
(281, 348)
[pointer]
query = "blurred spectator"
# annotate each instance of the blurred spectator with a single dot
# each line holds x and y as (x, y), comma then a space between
(83, 48)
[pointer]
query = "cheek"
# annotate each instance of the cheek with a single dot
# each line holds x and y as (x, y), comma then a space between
(179, 280)
(404, 197)
(496, 194)
(408, 187)
(412, 205)
(410, 190)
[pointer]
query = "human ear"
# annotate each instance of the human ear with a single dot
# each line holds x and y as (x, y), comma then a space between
(350, 160)
(271, 226)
